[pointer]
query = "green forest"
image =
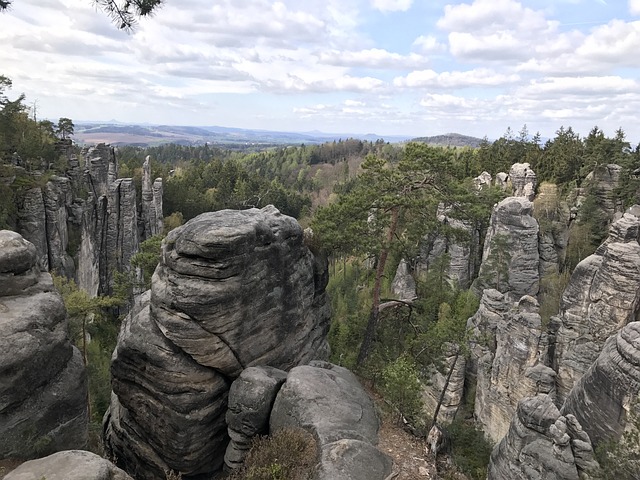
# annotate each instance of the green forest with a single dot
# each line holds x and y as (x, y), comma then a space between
(369, 205)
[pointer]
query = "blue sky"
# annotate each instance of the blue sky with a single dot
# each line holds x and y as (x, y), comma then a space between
(413, 67)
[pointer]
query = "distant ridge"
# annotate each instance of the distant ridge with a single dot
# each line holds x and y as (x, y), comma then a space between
(451, 140)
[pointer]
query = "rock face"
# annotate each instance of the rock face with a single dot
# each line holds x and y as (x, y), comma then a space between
(403, 285)
(542, 445)
(152, 219)
(32, 224)
(605, 397)
(68, 465)
(251, 398)
(328, 401)
(602, 182)
(43, 391)
(602, 296)
(234, 289)
(452, 399)
(523, 181)
(509, 349)
(510, 261)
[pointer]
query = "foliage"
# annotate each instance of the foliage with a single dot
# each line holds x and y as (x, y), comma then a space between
(470, 449)
(288, 454)
(147, 258)
(495, 268)
(552, 286)
(620, 460)
(402, 388)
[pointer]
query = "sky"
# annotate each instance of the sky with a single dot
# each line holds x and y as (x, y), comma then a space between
(394, 67)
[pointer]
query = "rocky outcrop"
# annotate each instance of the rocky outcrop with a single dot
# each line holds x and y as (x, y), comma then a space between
(43, 392)
(152, 219)
(58, 203)
(602, 297)
(605, 399)
(510, 261)
(234, 289)
(553, 215)
(601, 183)
(251, 398)
(509, 349)
(523, 181)
(542, 444)
(328, 401)
(68, 465)
(451, 374)
(403, 285)
(32, 224)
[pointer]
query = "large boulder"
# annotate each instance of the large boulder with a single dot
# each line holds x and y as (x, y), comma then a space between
(329, 402)
(234, 289)
(602, 296)
(541, 444)
(43, 392)
(68, 465)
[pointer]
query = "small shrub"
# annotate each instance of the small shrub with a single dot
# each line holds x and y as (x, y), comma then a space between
(470, 450)
(401, 387)
(288, 454)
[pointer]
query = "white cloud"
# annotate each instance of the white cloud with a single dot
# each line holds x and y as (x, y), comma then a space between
(634, 7)
(372, 58)
(456, 79)
(392, 5)
(428, 44)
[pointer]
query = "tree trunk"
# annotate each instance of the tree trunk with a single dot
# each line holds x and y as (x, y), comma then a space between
(444, 388)
(369, 333)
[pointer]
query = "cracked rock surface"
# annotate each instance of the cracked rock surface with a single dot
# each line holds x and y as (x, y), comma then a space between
(234, 289)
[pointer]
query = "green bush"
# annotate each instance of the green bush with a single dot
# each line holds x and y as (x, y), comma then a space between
(470, 450)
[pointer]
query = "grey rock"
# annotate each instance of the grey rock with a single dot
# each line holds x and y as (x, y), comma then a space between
(233, 290)
(452, 399)
(152, 220)
(602, 296)
(329, 402)
(403, 285)
(68, 465)
(32, 224)
(540, 445)
(350, 459)
(511, 219)
(502, 181)
(43, 387)
(251, 398)
(514, 369)
(482, 180)
(602, 182)
(523, 180)
(58, 199)
(603, 399)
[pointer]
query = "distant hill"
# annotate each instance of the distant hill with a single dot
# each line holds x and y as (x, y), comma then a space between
(117, 133)
(450, 140)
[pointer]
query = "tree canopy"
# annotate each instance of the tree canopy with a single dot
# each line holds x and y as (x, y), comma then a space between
(124, 14)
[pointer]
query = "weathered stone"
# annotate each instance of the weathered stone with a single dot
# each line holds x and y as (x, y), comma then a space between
(58, 197)
(602, 296)
(553, 215)
(32, 224)
(403, 285)
(250, 400)
(514, 370)
(454, 363)
(523, 181)
(329, 402)
(502, 181)
(234, 289)
(604, 399)
(43, 387)
(540, 445)
(482, 180)
(514, 267)
(601, 183)
(152, 220)
(68, 465)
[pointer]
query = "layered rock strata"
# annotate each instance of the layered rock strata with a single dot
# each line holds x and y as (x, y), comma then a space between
(234, 289)
(605, 399)
(43, 392)
(509, 350)
(602, 297)
(510, 261)
(152, 218)
(542, 444)
(329, 402)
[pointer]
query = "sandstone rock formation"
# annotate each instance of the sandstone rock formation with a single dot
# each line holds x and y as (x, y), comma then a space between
(68, 465)
(513, 367)
(251, 398)
(510, 261)
(234, 289)
(542, 444)
(328, 401)
(454, 362)
(403, 285)
(43, 392)
(606, 397)
(602, 296)
(523, 181)
(601, 183)
(152, 218)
